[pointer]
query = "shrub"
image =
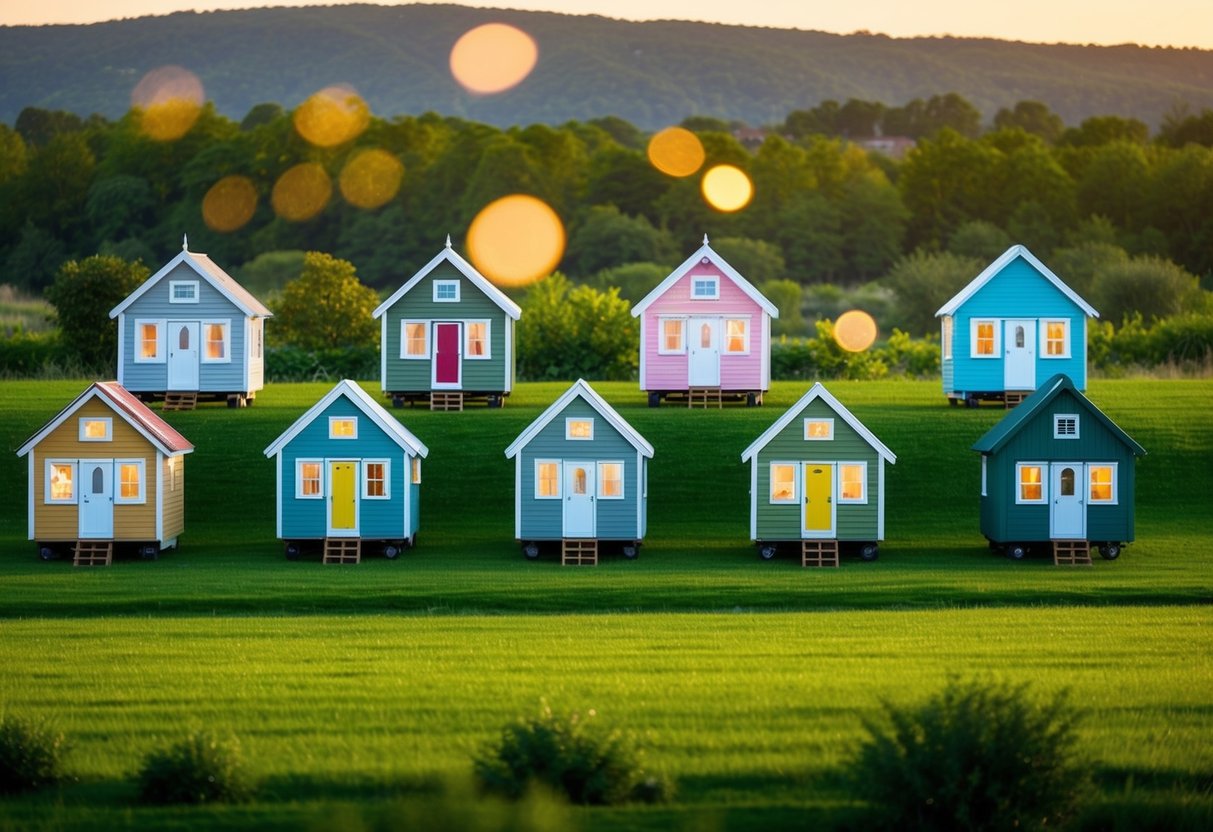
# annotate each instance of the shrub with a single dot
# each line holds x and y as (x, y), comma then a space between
(201, 768)
(571, 755)
(31, 755)
(326, 307)
(973, 757)
(295, 364)
(569, 331)
(83, 294)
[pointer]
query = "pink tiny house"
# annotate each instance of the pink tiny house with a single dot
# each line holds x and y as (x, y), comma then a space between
(705, 329)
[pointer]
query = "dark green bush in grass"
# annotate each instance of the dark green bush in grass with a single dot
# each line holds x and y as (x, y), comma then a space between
(202, 768)
(31, 755)
(571, 755)
(972, 757)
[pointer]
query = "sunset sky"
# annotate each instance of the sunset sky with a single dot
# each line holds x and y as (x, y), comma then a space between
(1161, 22)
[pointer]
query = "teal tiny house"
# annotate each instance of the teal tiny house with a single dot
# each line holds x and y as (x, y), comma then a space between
(580, 477)
(447, 335)
(817, 479)
(1012, 325)
(1056, 469)
(347, 472)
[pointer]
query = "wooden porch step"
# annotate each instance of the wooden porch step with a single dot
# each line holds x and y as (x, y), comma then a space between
(819, 553)
(578, 551)
(1072, 552)
(703, 397)
(1011, 398)
(446, 400)
(93, 553)
(187, 400)
(343, 550)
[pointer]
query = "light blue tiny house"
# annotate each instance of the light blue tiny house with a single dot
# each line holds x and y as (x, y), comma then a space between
(347, 472)
(192, 329)
(447, 335)
(580, 474)
(1014, 325)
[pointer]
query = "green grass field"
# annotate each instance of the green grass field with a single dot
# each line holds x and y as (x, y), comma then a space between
(748, 679)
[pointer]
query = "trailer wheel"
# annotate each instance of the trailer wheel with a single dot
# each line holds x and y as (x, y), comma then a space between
(530, 550)
(766, 551)
(292, 551)
(630, 551)
(1015, 551)
(869, 552)
(397, 402)
(1109, 550)
(971, 401)
(150, 552)
(47, 553)
(391, 551)
(751, 400)
(654, 400)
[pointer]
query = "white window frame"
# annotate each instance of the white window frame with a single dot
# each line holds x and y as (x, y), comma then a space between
(862, 499)
(299, 463)
(172, 291)
(387, 479)
(828, 421)
(108, 421)
(997, 350)
(745, 325)
(602, 495)
(946, 324)
(467, 339)
(404, 339)
(1043, 350)
(568, 425)
(415, 472)
(141, 497)
(709, 278)
(46, 482)
(1115, 500)
(1057, 419)
(984, 460)
(335, 419)
(138, 356)
(205, 342)
(559, 479)
(795, 496)
(682, 335)
(1044, 483)
(444, 284)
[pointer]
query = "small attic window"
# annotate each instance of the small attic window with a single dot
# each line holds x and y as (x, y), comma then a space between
(343, 427)
(1065, 426)
(446, 291)
(582, 429)
(97, 429)
(705, 287)
(819, 429)
(183, 291)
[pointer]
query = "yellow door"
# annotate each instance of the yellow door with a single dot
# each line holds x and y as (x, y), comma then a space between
(818, 499)
(343, 508)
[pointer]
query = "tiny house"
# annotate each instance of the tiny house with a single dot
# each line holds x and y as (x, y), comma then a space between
(348, 473)
(817, 478)
(191, 332)
(446, 336)
(705, 331)
(105, 470)
(1013, 325)
(1056, 470)
(580, 477)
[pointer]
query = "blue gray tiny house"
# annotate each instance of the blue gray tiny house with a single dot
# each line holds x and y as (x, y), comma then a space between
(191, 332)
(580, 477)
(1013, 324)
(348, 473)
(1056, 470)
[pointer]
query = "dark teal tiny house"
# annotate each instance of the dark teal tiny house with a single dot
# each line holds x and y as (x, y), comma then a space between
(1057, 469)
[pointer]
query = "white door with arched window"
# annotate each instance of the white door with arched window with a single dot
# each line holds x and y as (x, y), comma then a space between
(703, 352)
(580, 517)
(182, 355)
(1068, 510)
(96, 499)
(1019, 355)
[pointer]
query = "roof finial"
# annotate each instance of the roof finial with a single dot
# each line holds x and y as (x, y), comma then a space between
(448, 240)
(185, 242)
(705, 239)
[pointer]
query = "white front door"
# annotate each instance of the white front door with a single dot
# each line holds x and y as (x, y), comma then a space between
(579, 514)
(1068, 512)
(96, 499)
(1019, 352)
(703, 353)
(182, 355)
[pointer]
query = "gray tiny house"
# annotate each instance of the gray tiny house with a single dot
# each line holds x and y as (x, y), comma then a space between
(1055, 470)
(447, 335)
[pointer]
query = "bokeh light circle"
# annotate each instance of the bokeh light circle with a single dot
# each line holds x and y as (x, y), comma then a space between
(727, 188)
(169, 100)
(516, 240)
(370, 178)
(229, 204)
(492, 58)
(855, 331)
(332, 116)
(301, 192)
(676, 151)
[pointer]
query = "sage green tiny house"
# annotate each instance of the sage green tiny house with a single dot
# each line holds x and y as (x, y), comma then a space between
(447, 330)
(817, 473)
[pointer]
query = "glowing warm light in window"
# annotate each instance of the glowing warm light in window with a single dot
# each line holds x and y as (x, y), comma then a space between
(1055, 338)
(579, 481)
(850, 482)
(376, 479)
(301, 192)
(705, 336)
(371, 179)
(671, 334)
(985, 338)
(149, 341)
(676, 151)
(332, 116)
(1031, 487)
(216, 341)
(855, 330)
(818, 429)
(610, 479)
(579, 429)
(169, 100)
(229, 204)
(1100, 478)
(946, 336)
(309, 479)
(416, 470)
(128, 481)
(343, 428)
(516, 240)
(736, 338)
(547, 479)
(477, 338)
(492, 58)
(415, 339)
(61, 482)
(783, 483)
(95, 429)
(727, 188)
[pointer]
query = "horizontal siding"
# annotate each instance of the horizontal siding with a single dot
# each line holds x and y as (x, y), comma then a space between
(173, 512)
(947, 372)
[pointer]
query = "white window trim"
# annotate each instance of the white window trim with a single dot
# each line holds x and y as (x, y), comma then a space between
(227, 342)
(404, 339)
(1043, 350)
(622, 479)
(795, 497)
(715, 279)
(568, 423)
(984, 460)
(661, 322)
(46, 483)
(1044, 483)
(1115, 501)
(863, 484)
(1057, 417)
(141, 497)
(108, 421)
(559, 479)
(805, 429)
(724, 334)
(415, 470)
(299, 463)
(161, 327)
(997, 325)
(458, 291)
(172, 291)
(387, 479)
(333, 419)
(488, 339)
(946, 325)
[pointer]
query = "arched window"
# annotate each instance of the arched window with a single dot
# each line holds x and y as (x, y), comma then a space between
(705, 336)
(1067, 482)
(98, 480)
(578, 480)
(1019, 337)
(183, 338)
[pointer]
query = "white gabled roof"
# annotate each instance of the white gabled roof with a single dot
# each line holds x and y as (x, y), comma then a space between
(465, 268)
(374, 411)
(997, 266)
(208, 270)
(580, 388)
(818, 392)
(705, 251)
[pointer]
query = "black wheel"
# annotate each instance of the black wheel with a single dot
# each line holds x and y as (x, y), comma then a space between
(391, 551)
(953, 402)
(971, 401)
(292, 551)
(150, 551)
(1015, 551)
(751, 400)
(530, 550)
(233, 401)
(397, 402)
(766, 551)
(495, 401)
(1109, 551)
(869, 551)
(47, 553)
(654, 400)
(630, 551)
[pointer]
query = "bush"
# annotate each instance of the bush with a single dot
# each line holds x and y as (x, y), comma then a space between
(569, 332)
(31, 755)
(326, 307)
(201, 768)
(83, 294)
(974, 757)
(572, 756)
(296, 364)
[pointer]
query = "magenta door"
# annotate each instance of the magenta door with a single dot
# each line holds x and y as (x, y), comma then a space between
(446, 355)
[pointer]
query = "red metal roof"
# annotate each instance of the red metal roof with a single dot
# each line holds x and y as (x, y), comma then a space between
(162, 431)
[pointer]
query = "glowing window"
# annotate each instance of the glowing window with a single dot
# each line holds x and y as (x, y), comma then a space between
(343, 427)
(819, 430)
(1057, 340)
(216, 341)
(737, 337)
(610, 480)
(547, 480)
(1031, 483)
(983, 338)
(446, 291)
(375, 479)
(579, 429)
(130, 482)
(1102, 483)
(416, 470)
(705, 336)
(307, 480)
(783, 482)
(416, 340)
(579, 481)
(673, 331)
(945, 337)
(61, 482)
(477, 334)
(96, 430)
(852, 483)
(149, 341)
(705, 288)
(1065, 426)
(183, 291)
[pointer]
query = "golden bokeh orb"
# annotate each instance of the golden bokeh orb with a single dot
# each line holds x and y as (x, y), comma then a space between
(169, 100)
(676, 151)
(727, 188)
(371, 178)
(516, 240)
(301, 192)
(493, 58)
(229, 204)
(855, 331)
(332, 116)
